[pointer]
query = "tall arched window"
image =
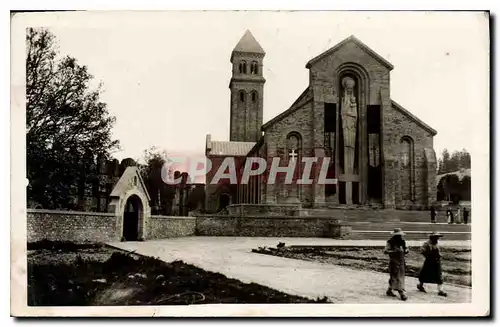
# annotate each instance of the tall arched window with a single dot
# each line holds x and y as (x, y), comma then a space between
(254, 96)
(243, 67)
(242, 96)
(254, 68)
(407, 169)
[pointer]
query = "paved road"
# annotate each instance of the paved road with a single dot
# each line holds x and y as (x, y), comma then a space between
(232, 257)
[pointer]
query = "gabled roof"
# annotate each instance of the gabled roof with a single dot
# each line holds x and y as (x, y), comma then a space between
(303, 96)
(126, 180)
(413, 118)
(363, 46)
(229, 148)
(248, 44)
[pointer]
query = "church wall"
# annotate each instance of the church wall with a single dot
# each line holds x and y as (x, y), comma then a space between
(213, 191)
(276, 140)
(324, 80)
(323, 76)
(396, 126)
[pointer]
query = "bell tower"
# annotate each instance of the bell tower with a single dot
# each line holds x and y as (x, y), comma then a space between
(247, 90)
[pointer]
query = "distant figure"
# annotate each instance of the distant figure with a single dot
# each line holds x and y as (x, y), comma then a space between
(431, 271)
(458, 218)
(433, 215)
(466, 216)
(449, 214)
(396, 249)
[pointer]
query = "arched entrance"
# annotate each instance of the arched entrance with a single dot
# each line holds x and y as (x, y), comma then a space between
(224, 201)
(132, 218)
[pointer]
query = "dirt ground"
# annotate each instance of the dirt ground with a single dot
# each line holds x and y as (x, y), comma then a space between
(456, 263)
(63, 274)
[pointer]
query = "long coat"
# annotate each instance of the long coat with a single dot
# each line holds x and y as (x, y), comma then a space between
(431, 271)
(396, 254)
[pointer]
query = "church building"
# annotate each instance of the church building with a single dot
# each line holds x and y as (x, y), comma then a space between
(380, 153)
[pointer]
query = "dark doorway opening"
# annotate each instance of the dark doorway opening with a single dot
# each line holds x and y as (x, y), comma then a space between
(224, 201)
(131, 218)
(330, 189)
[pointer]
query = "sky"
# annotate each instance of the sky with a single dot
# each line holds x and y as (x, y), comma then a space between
(165, 75)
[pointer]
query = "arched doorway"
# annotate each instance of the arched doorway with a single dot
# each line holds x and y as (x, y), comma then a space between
(132, 218)
(224, 201)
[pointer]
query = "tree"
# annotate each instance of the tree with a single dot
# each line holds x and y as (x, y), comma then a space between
(450, 163)
(444, 162)
(160, 192)
(67, 126)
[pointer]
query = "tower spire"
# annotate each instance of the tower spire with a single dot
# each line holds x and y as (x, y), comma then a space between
(248, 44)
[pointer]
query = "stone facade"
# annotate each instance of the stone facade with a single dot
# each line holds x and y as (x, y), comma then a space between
(394, 161)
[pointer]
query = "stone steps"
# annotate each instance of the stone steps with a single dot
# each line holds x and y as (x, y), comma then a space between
(414, 230)
(410, 235)
(409, 226)
(374, 215)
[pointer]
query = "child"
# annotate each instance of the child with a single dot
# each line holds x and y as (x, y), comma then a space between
(396, 249)
(431, 271)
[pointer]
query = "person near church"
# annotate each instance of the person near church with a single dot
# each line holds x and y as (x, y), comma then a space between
(449, 214)
(431, 271)
(396, 249)
(433, 215)
(458, 218)
(466, 216)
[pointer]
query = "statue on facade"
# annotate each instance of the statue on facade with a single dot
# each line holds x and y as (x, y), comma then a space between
(349, 123)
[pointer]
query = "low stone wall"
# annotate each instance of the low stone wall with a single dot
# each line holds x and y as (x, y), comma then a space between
(73, 226)
(78, 226)
(270, 226)
(244, 209)
(170, 226)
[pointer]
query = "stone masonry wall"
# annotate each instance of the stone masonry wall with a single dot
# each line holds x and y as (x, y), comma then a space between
(77, 226)
(213, 191)
(372, 77)
(375, 76)
(71, 226)
(299, 121)
(396, 126)
(264, 226)
(168, 227)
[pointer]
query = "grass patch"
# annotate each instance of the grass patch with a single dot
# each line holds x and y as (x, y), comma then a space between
(67, 274)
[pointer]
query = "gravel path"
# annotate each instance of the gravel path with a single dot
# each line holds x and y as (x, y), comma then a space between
(232, 257)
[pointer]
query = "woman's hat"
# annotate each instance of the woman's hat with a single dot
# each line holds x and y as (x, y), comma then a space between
(397, 231)
(435, 234)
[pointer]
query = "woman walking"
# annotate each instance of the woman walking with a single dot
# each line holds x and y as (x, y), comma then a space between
(431, 271)
(396, 249)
